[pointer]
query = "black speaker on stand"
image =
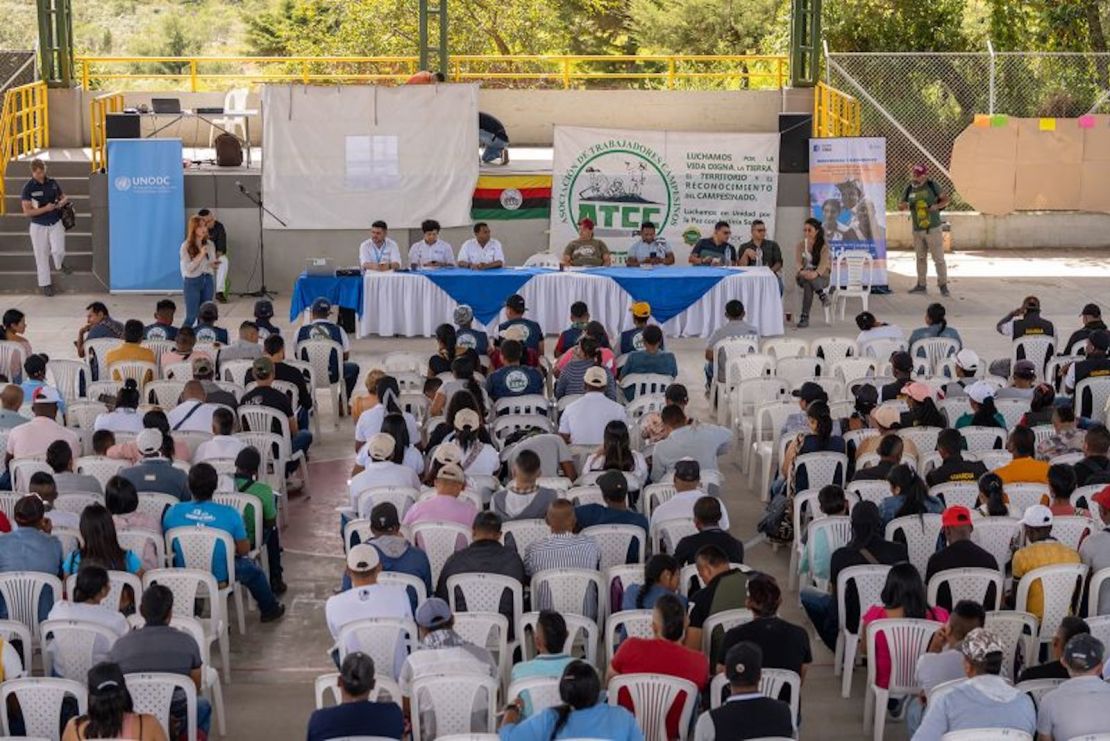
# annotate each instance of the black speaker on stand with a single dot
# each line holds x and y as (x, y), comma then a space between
(122, 126)
(794, 132)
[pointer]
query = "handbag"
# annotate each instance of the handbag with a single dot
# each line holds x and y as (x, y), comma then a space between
(69, 216)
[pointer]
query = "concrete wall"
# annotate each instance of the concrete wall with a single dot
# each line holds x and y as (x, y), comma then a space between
(1022, 230)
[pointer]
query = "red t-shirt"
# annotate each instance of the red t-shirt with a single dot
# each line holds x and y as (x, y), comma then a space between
(5, 523)
(654, 655)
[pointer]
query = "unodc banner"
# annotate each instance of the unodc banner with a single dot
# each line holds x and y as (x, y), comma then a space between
(683, 182)
(146, 214)
(847, 193)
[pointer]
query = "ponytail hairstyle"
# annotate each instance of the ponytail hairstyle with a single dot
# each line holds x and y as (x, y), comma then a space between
(990, 490)
(388, 392)
(109, 701)
(446, 336)
(818, 241)
(463, 368)
(590, 348)
(395, 426)
(985, 416)
(1044, 397)
(910, 487)
(654, 569)
(579, 689)
(935, 315)
(128, 396)
(819, 412)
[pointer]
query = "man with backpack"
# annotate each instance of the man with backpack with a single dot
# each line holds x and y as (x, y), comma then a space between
(924, 200)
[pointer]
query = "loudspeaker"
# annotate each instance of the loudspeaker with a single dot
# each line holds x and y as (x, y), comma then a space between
(794, 133)
(121, 126)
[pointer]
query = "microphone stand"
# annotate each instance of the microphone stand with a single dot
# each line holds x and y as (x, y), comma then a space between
(256, 199)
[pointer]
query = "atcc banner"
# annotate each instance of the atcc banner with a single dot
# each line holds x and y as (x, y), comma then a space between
(847, 193)
(683, 182)
(146, 214)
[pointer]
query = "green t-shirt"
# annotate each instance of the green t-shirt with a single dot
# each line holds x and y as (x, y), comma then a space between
(920, 198)
(265, 495)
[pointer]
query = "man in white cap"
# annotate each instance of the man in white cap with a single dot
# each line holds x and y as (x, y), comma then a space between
(154, 472)
(381, 470)
(1042, 550)
(367, 599)
(583, 421)
(34, 437)
(967, 365)
(445, 506)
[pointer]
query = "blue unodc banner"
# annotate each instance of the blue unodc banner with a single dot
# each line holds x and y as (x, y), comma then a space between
(146, 214)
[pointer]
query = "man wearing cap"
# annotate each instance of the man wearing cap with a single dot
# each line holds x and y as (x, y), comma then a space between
(30, 547)
(734, 326)
(960, 552)
(708, 513)
(1022, 380)
(322, 328)
(155, 473)
(1042, 550)
(379, 253)
(1078, 706)
(1023, 468)
(586, 251)
(688, 490)
(34, 378)
(615, 511)
(512, 378)
(397, 554)
(583, 421)
(206, 329)
(649, 249)
(245, 346)
(985, 700)
(132, 348)
(1095, 364)
(651, 359)
(1095, 548)
(688, 438)
(924, 200)
(514, 317)
(367, 599)
(263, 316)
(193, 413)
(380, 469)
(485, 555)
(204, 372)
(431, 251)
(1091, 316)
(34, 437)
(715, 249)
(445, 505)
(1070, 626)
(481, 252)
(901, 367)
(1025, 320)
(967, 365)
(356, 715)
(264, 394)
(632, 339)
(954, 468)
(466, 337)
(746, 713)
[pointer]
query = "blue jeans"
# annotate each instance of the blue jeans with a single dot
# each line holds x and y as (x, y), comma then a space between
(821, 609)
(251, 576)
(494, 146)
(301, 440)
(197, 291)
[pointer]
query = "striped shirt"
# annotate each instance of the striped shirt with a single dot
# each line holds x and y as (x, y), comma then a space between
(572, 379)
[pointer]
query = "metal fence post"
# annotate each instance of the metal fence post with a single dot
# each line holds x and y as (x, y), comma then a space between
(990, 93)
(193, 75)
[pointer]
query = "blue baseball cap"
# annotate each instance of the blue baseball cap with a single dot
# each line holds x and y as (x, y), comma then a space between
(321, 306)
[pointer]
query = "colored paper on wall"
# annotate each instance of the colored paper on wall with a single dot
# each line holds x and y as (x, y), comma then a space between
(998, 120)
(1087, 121)
(982, 119)
(1047, 124)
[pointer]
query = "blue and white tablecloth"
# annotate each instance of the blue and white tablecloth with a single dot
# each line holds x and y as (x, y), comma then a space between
(345, 291)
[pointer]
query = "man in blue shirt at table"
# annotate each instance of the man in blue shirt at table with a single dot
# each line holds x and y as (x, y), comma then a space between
(649, 249)
(715, 250)
(514, 313)
(379, 253)
(203, 512)
(321, 328)
(514, 379)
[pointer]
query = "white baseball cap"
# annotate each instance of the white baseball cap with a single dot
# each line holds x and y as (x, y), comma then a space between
(596, 377)
(968, 360)
(980, 391)
(363, 557)
(1037, 516)
(381, 446)
(46, 395)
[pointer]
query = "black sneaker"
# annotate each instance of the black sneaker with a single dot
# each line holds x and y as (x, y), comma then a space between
(220, 297)
(277, 614)
(824, 298)
(944, 291)
(919, 289)
(803, 321)
(66, 269)
(277, 586)
(48, 290)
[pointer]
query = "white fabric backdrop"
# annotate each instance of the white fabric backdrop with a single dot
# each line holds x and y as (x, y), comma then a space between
(410, 305)
(340, 157)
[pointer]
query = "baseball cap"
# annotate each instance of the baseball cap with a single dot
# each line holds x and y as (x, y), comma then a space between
(956, 516)
(451, 472)
(363, 557)
(1025, 369)
(968, 360)
(919, 169)
(467, 419)
(321, 306)
(596, 377)
(432, 613)
(587, 222)
(980, 391)
(1102, 498)
(918, 391)
(1032, 303)
(202, 365)
(979, 644)
(886, 416)
(263, 368)
(687, 469)
(46, 395)
(263, 309)
(1100, 338)
(381, 446)
(149, 441)
(613, 485)
(515, 302)
(641, 309)
(1037, 516)
(463, 314)
(743, 662)
(1091, 310)
(901, 360)
(810, 392)
(384, 516)
(447, 452)
(35, 364)
(1083, 652)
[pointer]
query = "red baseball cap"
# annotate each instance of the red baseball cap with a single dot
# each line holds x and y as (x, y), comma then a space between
(1102, 498)
(587, 222)
(920, 169)
(956, 516)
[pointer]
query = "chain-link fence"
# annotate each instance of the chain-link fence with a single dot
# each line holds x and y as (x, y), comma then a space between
(921, 101)
(16, 68)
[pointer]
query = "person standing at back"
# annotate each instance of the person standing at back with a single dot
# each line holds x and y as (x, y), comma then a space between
(198, 263)
(924, 200)
(218, 235)
(42, 200)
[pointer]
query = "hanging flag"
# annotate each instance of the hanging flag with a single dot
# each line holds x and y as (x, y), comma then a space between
(502, 197)
(1047, 124)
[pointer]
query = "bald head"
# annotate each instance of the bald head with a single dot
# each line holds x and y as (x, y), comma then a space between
(11, 397)
(560, 516)
(193, 390)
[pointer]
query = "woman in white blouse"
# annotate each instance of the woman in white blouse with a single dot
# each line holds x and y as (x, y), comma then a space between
(125, 417)
(198, 265)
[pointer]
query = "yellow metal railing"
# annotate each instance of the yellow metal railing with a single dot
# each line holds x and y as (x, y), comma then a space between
(834, 113)
(99, 108)
(566, 71)
(24, 127)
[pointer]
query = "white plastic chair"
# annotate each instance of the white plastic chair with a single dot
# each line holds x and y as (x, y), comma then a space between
(1013, 629)
(795, 371)
(1099, 580)
(582, 633)
(836, 531)
(198, 550)
(234, 119)
(1025, 495)
(868, 490)
(822, 468)
(451, 699)
(907, 641)
(569, 591)
(1072, 529)
(994, 535)
(75, 502)
(771, 682)
(851, 278)
(378, 638)
(152, 692)
(542, 260)
(69, 647)
(489, 630)
(483, 592)
(40, 699)
(923, 438)
(542, 692)
(186, 586)
(117, 582)
(632, 623)
(920, 533)
(1060, 586)
(645, 383)
(95, 350)
(957, 493)
(1092, 396)
(326, 686)
(666, 534)
(319, 354)
(141, 372)
(1012, 410)
(519, 534)
(722, 622)
(615, 541)
(833, 349)
(240, 502)
(1038, 688)
(968, 583)
(22, 469)
(153, 504)
(67, 376)
(439, 540)
(739, 368)
(21, 591)
(847, 369)
(101, 467)
(652, 696)
(881, 349)
(744, 404)
(584, 495)
(1036, 348)
(868, 582)
(988, 734)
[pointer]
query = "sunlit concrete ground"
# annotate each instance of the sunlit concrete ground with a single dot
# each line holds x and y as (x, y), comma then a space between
(271, 694)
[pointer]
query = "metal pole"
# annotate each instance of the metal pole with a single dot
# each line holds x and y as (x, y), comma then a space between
(990, 99)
